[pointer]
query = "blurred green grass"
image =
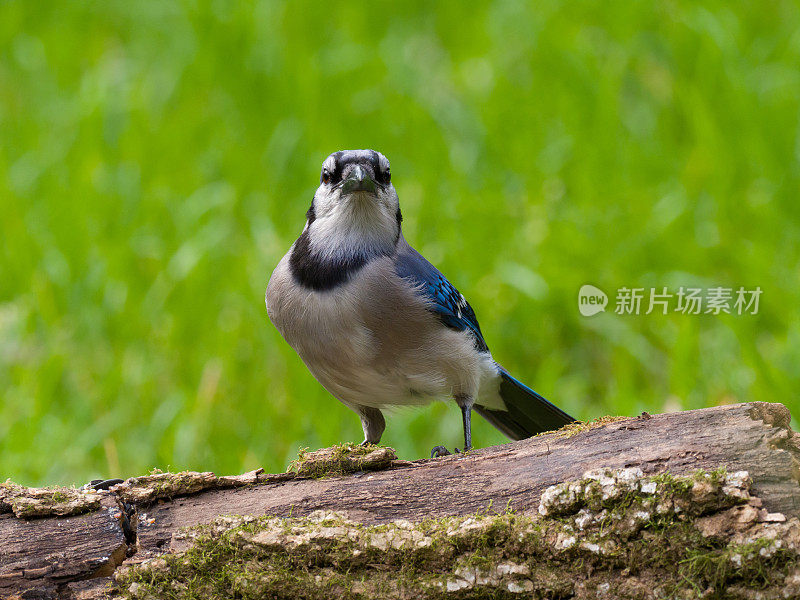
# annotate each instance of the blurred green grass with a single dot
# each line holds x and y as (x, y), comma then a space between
(156, 161)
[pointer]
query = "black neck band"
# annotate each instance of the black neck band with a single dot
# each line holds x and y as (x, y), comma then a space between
(317, 273)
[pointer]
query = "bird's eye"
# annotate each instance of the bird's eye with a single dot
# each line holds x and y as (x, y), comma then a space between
(326, 176)
(387, 175)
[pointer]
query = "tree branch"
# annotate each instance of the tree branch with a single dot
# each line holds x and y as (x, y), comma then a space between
(73, 556)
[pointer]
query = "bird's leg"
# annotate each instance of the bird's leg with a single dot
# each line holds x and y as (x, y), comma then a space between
(465, 404)
(373, 424)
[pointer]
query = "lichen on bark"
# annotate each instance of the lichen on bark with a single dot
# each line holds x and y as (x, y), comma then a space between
(28, 502)
(158, 485)
(618, 534)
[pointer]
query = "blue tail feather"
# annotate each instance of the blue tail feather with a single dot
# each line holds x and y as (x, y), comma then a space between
(527, 413)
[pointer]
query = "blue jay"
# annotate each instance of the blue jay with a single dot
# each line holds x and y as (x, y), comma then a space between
(380, 326)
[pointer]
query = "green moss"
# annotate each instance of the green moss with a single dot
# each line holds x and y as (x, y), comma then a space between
(756, 562)
(341, 459)
(571, 429)
(621, 520)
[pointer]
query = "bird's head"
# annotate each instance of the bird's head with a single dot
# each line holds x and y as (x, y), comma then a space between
(355, 207)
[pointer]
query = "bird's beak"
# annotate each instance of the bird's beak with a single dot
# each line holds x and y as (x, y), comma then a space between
(359, 181)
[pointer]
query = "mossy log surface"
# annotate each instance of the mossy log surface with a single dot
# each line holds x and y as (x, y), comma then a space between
(576, 513)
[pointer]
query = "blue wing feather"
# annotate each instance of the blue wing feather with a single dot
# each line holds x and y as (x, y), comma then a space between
(446, 301)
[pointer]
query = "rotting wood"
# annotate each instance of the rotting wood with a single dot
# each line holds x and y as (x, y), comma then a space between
(51, 554)
(616, 533)
(47, 553)
(751, 437)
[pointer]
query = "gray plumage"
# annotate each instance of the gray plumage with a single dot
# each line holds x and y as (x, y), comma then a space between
(376, 323)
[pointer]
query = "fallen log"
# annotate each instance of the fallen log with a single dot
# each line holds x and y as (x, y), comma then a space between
(121, 541)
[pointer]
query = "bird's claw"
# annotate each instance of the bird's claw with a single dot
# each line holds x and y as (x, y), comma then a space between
(440, 451)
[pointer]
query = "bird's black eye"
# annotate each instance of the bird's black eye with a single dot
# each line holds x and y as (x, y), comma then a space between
(326, 176)
(387, 175)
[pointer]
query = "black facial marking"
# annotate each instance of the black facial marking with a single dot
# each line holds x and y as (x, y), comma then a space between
(369, 159)
(375, 161)
(321, 274)
(380, 175)
(399, 217)
(311, 214)
(336, 175)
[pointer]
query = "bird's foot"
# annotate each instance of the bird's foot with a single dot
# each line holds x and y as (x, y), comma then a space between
(440, 451)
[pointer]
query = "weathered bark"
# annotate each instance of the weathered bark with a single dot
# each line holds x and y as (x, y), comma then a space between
(68, 557)
(45, 553)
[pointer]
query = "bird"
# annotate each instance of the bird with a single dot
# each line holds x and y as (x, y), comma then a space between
(377, 324)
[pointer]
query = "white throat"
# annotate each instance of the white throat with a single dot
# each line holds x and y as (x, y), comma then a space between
(356, 226)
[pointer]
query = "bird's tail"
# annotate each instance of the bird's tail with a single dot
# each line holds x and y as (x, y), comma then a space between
(526, 414)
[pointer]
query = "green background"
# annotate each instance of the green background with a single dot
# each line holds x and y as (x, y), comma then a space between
(157, 159)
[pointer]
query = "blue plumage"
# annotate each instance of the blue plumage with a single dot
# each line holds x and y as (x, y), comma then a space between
(447, 302)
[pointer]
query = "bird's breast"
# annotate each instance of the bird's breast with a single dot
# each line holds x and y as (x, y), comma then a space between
(320, 325)
(372, 340)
